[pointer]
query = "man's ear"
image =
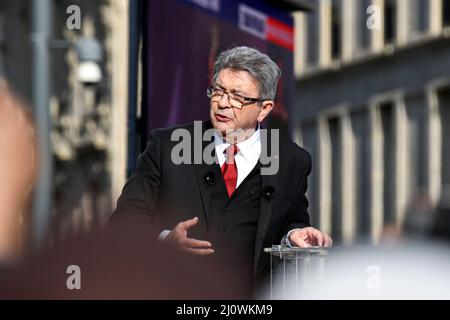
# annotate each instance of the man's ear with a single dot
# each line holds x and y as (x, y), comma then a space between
(266, 107)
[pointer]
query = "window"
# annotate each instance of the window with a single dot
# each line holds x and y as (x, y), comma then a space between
(362, 31)
(387, 123)
(446, 12)
(336, 29)
(419, 11)
(444, 110)
(312, 54)
(361, 127)
(336, 180)
(312, 35)
(389, 21)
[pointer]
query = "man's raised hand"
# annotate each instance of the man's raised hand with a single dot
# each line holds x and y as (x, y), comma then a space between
(179, 237)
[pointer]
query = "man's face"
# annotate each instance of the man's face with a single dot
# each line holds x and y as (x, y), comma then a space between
(225, 118)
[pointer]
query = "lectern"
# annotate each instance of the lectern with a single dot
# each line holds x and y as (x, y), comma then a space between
(293, 269)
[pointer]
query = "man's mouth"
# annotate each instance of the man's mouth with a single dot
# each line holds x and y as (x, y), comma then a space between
(221, 118)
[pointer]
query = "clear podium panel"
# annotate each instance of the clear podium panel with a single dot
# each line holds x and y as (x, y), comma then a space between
(293, 269)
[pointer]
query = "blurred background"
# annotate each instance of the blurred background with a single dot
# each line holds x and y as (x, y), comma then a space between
(69, 60)
(372, 106)
(365, 89)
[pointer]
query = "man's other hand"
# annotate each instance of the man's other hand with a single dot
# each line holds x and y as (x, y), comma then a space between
(308, 237)
(179, 237)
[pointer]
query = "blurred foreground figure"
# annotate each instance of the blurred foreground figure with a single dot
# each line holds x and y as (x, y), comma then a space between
(17, 171)
(120, 263)
(116, 263)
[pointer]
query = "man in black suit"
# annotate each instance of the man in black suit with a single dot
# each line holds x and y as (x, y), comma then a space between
(227, 187)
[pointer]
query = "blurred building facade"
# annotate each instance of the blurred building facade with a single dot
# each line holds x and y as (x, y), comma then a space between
(88, 134)
(373, 108)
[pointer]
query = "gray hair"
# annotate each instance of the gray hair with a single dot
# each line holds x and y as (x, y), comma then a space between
(257, 64)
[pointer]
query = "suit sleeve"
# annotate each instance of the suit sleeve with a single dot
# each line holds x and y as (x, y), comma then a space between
(140, 193)
(298, 216)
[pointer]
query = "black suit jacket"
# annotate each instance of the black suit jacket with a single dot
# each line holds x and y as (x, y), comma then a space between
(167, 193)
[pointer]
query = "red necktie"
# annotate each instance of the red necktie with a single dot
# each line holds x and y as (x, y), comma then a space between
(229, 169)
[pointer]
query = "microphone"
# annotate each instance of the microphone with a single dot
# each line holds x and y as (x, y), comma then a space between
(267, 193)
(208, 178)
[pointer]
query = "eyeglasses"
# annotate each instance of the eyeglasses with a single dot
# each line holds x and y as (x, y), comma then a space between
(235, 100)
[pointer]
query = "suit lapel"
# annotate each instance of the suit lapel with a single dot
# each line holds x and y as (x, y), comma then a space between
(206, 173)
(268, 190)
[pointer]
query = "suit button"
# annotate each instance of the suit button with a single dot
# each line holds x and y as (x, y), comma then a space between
(227, 209)
(222, 229)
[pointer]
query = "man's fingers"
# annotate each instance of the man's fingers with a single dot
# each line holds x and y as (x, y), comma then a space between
(299, 242)
(319, 238)
(201, 252)
(189, 223)
(328, 241)
(193, 243)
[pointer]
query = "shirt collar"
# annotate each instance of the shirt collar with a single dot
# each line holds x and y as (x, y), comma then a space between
(248, 148)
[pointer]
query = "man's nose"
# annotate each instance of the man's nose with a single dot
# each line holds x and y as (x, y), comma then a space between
(224, 102)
